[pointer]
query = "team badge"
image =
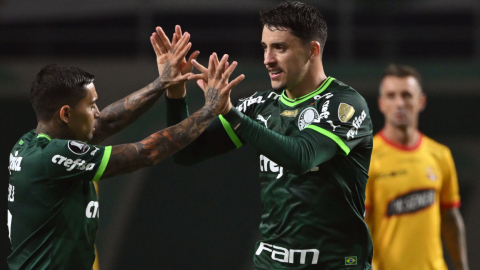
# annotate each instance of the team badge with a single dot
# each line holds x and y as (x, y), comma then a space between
(78, 148)
(431, 174)
(351, 260)
(289, 113)
(308, 116)
(345, 112)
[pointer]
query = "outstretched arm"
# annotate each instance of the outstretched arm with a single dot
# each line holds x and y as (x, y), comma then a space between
(122, 113)
(453, 232)
(130, 157)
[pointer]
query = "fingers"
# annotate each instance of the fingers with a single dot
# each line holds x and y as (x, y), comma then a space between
(221, 67)
(196, 77)
(192, 57)
(234, 83)
(199, 67)
(162, 40)
(155, 45)
(229, 71)
(201, 84)
(176, 35)
(211, 67)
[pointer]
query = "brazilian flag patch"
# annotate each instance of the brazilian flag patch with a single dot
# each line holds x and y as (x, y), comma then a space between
(352, 260)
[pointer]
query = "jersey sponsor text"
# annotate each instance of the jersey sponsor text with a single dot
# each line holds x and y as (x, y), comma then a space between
(15, 162)
(71, 164)
(411, 202)
(288, 255)
(92, 209)
(266, 165)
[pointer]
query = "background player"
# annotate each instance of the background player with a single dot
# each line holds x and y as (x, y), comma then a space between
(313, 135)
(53, 206)
(412, 192)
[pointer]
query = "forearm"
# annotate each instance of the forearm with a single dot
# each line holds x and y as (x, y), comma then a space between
(131, 157)
(122, 113)
(297, 154)
(212, 142)
(453, 232)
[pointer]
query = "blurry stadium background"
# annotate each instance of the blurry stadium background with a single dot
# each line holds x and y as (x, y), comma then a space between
(206, 216)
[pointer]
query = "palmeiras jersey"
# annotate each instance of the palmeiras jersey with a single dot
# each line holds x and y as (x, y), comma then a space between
(52, 203)
(311, 220)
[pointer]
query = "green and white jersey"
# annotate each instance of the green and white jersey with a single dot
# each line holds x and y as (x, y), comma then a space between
(313, 204)
(52, 203)
(314, 220)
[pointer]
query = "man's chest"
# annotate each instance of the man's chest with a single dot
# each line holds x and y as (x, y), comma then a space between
(407, 182)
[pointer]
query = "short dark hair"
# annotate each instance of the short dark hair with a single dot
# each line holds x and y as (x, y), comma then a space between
(55, 86)
(304, 21)
(403, 71)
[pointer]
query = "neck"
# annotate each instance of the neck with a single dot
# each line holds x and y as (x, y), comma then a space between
(407, 137)
(54, 130)
(310, 82)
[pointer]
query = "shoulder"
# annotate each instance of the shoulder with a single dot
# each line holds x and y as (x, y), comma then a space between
(437, 149)
(341, 90)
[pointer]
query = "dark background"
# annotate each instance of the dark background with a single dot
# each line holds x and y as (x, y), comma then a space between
(206, 216)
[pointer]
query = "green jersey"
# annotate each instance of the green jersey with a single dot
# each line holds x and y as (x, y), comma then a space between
(312, 208)
(52, 203)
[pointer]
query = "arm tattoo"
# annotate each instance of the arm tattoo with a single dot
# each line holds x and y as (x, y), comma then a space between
(131, 157)
(122, 113)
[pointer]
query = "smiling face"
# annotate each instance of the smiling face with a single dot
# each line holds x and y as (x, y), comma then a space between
(286, 58)
(83, 114)
(401, 100)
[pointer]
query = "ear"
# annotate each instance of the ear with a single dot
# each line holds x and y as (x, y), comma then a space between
(423, 102)
(65, 113)
(315, 50)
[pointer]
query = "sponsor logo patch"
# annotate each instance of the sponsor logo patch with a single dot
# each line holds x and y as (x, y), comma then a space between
(261, 118)
(285, 255)
(352, 260)
(78, 148)
(289, 113)
(71, 164)
(308, 116)
(345, 112)
(411, 202)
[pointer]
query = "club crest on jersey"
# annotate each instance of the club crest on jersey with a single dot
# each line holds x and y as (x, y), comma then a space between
(78, 148)
(308, 116)
(345, 112)
(289, 113)
(431, 174)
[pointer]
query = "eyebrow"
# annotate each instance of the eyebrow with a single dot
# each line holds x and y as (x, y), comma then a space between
(281, 43)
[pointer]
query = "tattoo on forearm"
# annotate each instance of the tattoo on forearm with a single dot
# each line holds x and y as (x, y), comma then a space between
(130, 157)
(211, 98)
(122, 113)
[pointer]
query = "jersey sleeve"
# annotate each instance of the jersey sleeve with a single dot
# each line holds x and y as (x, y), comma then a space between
(449, 194)
(343, 117)
(69, 160)
(218, 137)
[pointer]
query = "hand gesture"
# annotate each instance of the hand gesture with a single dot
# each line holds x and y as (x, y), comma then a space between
(161, 45)
(216, 88)
(169, 61)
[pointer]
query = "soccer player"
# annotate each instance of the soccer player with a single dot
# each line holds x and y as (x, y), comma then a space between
(52, 205)
(412, 192)
(313, 135)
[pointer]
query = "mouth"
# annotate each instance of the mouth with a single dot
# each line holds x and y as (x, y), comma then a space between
(275, 73)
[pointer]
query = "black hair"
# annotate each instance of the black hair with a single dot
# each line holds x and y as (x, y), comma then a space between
(304, 21)
(56, 86)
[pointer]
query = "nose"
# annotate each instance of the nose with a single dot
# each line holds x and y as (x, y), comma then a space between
(97, 112)
(269, 58)
(399, 101)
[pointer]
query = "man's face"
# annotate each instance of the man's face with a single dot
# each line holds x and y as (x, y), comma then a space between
(285, 57)
(83, 115)
(401, 100)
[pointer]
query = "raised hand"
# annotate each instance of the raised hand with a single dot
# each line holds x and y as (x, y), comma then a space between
(161, 45)
(168, 61)
(217, 88)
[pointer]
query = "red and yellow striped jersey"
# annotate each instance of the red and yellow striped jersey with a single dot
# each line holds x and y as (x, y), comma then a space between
(405, 190)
